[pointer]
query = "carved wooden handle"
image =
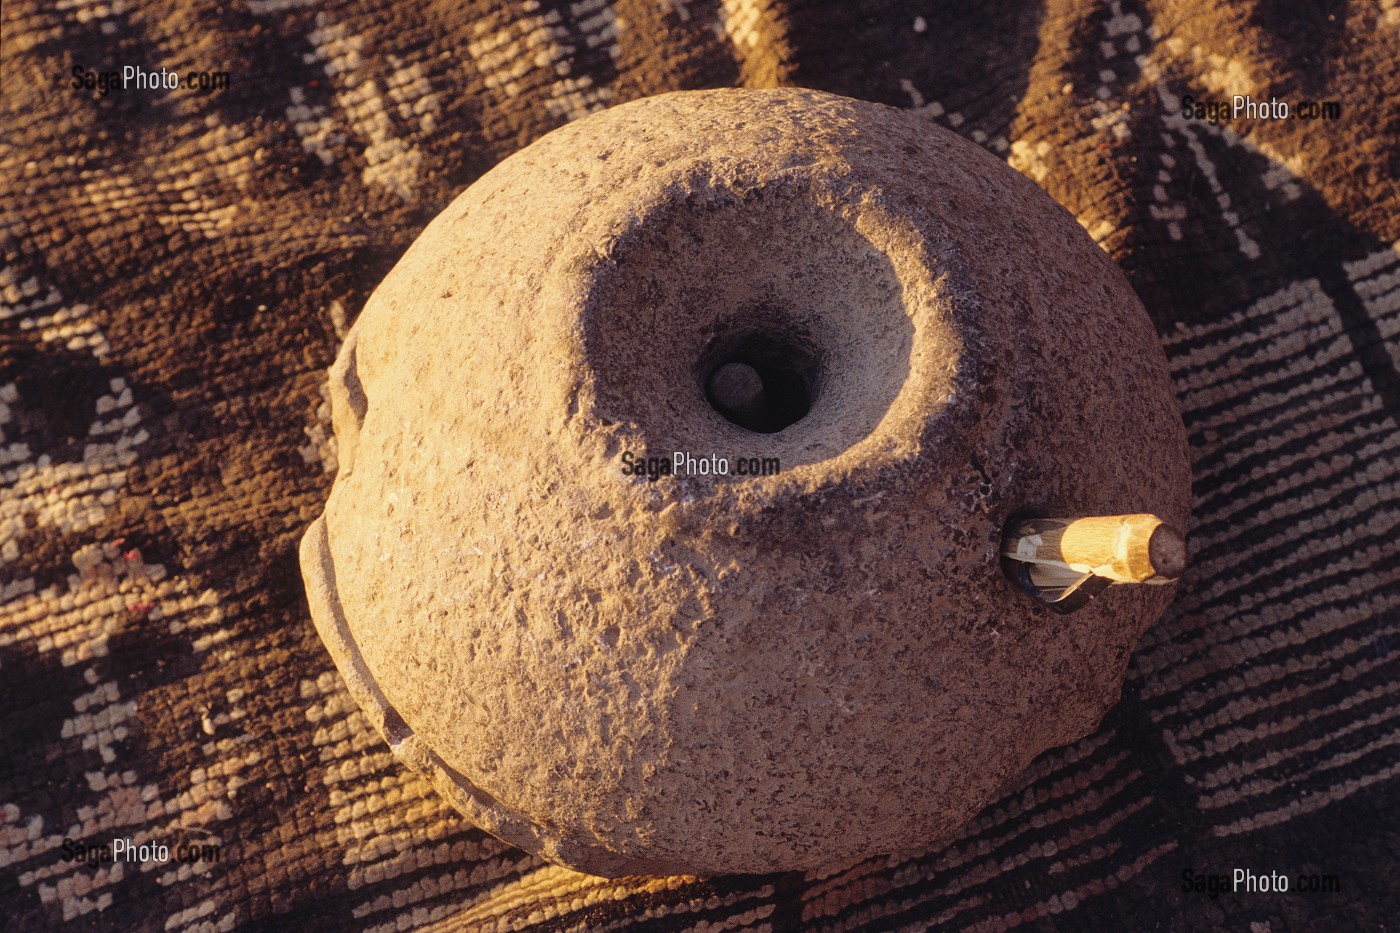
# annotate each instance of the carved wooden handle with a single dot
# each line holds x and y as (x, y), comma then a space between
(1077, 557)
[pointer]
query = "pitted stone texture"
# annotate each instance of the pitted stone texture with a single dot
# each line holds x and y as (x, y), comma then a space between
(735, 674)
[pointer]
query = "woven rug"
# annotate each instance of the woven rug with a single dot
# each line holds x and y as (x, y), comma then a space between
(177, 267)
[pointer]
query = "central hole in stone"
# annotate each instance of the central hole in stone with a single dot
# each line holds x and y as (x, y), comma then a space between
(761, 383)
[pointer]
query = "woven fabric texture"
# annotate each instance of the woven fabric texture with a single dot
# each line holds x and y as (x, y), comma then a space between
(177, 268)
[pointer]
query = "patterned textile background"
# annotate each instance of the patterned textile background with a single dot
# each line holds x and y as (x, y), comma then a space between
(177, 267)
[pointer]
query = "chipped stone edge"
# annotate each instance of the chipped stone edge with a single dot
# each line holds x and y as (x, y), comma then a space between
(484, 810)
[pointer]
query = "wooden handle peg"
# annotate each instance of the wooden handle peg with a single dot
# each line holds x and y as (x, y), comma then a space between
(1119, 548)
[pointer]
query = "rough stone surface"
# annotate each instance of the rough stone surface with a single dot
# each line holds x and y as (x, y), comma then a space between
(722, 674)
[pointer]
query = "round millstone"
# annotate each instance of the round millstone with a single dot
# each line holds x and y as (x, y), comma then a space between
(735, 672)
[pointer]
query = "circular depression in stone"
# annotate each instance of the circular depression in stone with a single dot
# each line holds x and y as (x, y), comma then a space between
(773, 280)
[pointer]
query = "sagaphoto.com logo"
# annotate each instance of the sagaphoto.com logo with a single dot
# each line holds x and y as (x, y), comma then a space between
(133, 78)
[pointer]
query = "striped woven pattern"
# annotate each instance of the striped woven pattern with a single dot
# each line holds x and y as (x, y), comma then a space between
(177, 268)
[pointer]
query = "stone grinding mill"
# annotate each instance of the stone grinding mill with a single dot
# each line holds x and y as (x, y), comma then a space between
(729, 673)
